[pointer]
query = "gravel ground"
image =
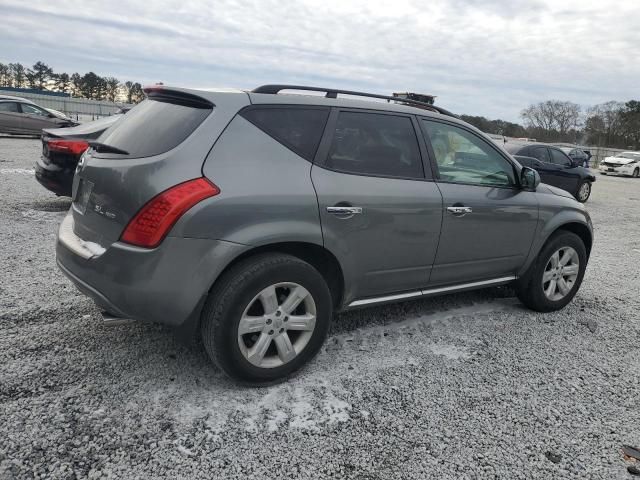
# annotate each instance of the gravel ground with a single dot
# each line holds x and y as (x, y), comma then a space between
(462, 386)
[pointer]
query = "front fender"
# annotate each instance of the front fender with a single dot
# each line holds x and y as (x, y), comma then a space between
(557, 212)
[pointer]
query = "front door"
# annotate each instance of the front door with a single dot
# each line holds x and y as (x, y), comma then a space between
(488, 222)
(34, 119)
(550, 172)
(567, 172)
(380, 213)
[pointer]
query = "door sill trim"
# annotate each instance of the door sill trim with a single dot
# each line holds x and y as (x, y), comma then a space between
(430, 291)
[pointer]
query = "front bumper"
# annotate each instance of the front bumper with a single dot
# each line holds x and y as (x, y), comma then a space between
(54, 178)
(617, 170)
(162, 285)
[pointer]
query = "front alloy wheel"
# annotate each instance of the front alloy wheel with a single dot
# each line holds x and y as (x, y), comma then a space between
(560, 274)
(584, 192)
(277, 325)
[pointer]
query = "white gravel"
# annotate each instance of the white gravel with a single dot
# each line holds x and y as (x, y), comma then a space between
(463, 386)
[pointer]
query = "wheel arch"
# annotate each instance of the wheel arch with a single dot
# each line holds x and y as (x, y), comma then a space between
(316, 255)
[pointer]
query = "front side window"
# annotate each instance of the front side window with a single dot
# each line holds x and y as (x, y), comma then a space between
(463, 157)
(559, 158)
(9, 107)
(541, 153)
(375, 144)
(32, 110)
(298, 129)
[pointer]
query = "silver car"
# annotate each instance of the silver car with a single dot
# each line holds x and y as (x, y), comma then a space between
(22, 116)
(249, 218)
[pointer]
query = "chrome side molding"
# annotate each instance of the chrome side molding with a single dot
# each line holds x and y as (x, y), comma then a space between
(431, 291)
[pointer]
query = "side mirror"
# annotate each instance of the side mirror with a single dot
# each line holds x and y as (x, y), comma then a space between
(529, 179)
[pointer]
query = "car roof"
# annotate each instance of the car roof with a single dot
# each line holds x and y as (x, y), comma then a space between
(310, 99)
(9, 98)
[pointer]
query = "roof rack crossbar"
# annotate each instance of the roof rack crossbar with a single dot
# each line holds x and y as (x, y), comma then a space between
(333, 93)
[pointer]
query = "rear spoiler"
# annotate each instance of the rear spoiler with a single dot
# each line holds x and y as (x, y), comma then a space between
(177, 97)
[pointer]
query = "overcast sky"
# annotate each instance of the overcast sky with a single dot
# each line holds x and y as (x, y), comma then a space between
(480, 57)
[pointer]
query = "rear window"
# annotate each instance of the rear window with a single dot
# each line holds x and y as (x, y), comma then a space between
(153, 127)
(298, 129)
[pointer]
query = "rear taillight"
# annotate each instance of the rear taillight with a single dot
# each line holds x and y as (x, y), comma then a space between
(73, 147)
(152, 223)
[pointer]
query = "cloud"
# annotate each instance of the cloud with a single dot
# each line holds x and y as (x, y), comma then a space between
(490, 57)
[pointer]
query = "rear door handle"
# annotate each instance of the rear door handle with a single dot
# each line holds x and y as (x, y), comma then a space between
(344, 210)
(460, 211)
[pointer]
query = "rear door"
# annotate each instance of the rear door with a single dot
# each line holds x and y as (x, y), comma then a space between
(488, 222)
(10, 117)
(380, 213)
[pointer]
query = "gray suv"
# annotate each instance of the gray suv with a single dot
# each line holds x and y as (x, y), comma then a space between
(249, 218)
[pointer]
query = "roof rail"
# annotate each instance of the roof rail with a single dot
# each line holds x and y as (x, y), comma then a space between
(333, 93)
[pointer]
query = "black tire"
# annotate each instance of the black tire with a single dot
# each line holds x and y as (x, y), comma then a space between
(529, 288)
(234, 291)
(602, 173)
(577, 195)
(636, 172)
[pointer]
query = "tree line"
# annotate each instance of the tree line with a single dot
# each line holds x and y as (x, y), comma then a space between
(610, 124)
(89, 85)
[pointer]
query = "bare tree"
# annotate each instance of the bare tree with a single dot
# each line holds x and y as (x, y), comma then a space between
(604, 124)
(18, 72)
(112, 85)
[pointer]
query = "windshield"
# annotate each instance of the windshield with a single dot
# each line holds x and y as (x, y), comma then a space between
(629, 155)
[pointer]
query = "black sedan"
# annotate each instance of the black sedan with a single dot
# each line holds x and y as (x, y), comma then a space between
(61, 151)
(555, 167)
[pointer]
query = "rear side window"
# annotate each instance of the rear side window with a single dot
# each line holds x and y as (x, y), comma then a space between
(375, 144)
(298, 129)
(153, 127)
(9, 107)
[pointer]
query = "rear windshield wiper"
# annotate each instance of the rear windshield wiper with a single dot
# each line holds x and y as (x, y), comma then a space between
(104, 148)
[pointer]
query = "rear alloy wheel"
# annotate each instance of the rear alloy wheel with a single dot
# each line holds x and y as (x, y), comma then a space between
(584, 192)
(556, 275)
(277, 325)
(266, 317)
(636, 172)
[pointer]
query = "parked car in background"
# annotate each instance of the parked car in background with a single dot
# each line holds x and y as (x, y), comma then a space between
(555, 167)
(623, 163)
(578, 156)
(61, 151)
(251, 217)
(22, 116)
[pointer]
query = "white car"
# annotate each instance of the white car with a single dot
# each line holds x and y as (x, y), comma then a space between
(624, 163)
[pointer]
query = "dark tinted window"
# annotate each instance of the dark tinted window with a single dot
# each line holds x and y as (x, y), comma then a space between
(463, 157)
(375, 144)
(299, 129)
(9, 107)
(153, 127)
(559, 158)
(541, 153)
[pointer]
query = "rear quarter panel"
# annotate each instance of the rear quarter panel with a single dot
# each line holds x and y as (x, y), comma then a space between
(266, 195)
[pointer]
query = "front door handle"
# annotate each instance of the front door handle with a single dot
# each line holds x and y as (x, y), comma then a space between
(344, 210)
(459, 211)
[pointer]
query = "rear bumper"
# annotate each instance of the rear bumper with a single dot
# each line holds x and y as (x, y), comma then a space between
(54, 178)
(163, 285)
